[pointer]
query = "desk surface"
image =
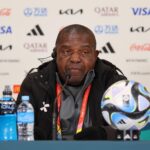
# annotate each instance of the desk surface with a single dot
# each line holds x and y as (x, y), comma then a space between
(74, 145)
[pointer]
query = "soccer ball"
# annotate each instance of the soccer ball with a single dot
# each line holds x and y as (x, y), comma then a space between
(126, 105)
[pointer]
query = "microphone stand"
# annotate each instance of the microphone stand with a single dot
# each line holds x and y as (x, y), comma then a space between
(54, 114)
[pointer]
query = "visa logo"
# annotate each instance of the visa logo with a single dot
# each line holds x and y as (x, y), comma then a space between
(5, 30)
(141, 11)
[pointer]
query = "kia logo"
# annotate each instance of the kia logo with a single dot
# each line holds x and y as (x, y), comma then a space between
(139, 29)
(71, 12)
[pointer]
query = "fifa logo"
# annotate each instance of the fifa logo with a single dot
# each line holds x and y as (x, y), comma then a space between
(126, 100)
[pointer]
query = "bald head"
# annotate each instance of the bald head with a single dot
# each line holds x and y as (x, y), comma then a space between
(76, 28)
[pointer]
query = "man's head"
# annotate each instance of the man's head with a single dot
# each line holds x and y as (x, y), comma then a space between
(76, 52)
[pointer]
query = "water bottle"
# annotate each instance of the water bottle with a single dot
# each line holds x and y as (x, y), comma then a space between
(25, 120)
(8, 128)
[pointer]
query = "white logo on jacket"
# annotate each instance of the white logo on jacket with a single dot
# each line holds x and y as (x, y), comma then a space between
(45, 106)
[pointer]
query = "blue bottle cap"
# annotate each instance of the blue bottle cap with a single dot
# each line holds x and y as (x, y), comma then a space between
(25, 98)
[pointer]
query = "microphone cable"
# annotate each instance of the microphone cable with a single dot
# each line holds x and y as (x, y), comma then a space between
(54, 114)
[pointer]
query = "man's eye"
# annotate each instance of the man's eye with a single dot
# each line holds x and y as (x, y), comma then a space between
(66, 52)
(85, 52)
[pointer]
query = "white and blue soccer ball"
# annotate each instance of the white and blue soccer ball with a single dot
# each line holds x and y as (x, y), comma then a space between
(126, 105)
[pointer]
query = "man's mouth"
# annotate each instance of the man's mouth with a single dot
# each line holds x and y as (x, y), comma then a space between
(75, 71)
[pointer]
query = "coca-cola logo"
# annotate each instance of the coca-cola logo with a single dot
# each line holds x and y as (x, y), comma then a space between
(140, 47)
(5, 12)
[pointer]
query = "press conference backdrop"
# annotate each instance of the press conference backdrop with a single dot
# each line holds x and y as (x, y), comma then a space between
(28, 30)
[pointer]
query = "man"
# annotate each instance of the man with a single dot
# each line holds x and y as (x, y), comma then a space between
(72, 85)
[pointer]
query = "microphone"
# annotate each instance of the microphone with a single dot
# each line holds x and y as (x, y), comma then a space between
(54, 114)
(91, 133)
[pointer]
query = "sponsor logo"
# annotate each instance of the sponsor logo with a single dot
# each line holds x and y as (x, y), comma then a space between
(145, 73)
(9, 60)
(140, 47)
(106, 29)
(36, 31)
(121, 122)
(5, 30)
(141, 11)
(107, 11)
(70, 12)
(107, 49)
(4, 48)
(16, 89)
(137, 60)
(139, 29)
(4, 73)
(44, 107)
(38, 12)
(36, 47)
(5, 12)
(10, 106)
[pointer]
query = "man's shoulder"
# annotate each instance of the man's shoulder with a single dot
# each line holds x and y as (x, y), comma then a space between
(104, 65)
(50, 65)
(43, 70)
(108, 72)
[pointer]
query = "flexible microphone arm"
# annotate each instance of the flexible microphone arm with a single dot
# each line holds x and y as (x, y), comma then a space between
(54, 114)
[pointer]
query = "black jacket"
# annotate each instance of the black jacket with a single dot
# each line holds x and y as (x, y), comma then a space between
(40, 86)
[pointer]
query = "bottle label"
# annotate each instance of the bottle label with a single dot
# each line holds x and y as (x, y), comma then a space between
(8, 129)
(25, 117)
(7, 107)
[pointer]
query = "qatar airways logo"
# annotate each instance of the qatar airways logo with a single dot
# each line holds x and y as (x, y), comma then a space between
(141, 11)
(36, 47)
(140, 47)
(107, 11)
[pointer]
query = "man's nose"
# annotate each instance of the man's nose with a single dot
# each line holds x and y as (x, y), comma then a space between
(75, 57)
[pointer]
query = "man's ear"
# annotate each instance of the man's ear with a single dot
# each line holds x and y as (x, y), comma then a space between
(96, 53)
(54, 54)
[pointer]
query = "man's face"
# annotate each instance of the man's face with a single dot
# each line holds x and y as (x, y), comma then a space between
(76, 56)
